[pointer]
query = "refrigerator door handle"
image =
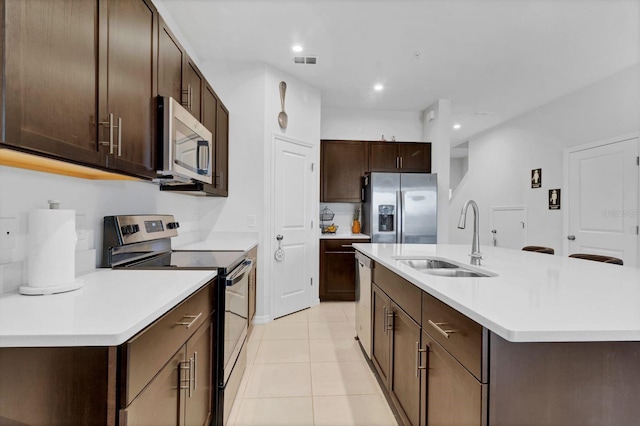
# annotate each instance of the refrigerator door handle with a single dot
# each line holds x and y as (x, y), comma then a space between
(400, 215)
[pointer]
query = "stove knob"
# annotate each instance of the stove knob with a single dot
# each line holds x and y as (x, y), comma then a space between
(123, 230)
(136, 228)
(173, 225)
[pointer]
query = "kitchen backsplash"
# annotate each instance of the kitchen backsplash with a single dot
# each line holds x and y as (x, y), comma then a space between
(343, 215)
(23, 190)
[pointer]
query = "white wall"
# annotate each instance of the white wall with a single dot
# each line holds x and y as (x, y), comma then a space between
(251, 93)
(369, 125)
(501, 159)
(22, 190)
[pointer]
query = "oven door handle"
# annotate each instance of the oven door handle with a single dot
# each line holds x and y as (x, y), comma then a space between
(238, 274)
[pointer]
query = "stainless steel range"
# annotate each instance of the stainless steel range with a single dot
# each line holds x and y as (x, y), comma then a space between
(144, 242)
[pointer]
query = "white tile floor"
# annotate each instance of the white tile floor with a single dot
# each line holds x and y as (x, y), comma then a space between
(307, 369)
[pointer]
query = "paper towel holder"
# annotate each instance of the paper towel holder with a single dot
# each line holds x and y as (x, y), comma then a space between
(32, 290)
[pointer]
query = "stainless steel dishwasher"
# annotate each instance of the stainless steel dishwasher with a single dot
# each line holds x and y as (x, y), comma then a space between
(363, 301)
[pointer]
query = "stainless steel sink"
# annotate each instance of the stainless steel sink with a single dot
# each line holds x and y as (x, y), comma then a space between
(442, 268)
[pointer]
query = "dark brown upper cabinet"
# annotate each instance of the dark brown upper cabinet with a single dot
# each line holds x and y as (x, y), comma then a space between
(80, 79)
(171, 59)
(343, 164)
(222, 150)
(192, 89)
(51, 86)
(215, 118)
(400, 157)
(128, 82)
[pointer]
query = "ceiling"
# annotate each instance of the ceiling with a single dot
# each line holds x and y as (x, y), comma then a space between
(495, 59)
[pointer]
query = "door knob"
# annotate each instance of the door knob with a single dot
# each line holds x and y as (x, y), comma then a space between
(279, 237)
(571, 237)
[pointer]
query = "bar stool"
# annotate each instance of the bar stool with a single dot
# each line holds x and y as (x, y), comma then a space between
(597, 258)
(539, 249)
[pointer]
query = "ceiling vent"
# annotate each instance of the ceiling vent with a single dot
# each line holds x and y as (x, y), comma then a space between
(311, 60)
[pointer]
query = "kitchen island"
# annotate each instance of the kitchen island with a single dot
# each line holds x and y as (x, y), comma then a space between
(545, 340)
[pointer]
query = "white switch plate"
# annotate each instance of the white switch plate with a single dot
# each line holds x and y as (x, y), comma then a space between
(251, 221)
(8, 227)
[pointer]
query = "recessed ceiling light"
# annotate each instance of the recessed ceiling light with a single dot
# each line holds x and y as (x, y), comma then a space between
(456, 126)
(296, 48)
(378, 87)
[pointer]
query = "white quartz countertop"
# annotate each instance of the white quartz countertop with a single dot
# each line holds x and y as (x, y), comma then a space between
(535, 297)
(344, 236)
(232, 241)
(111, 307)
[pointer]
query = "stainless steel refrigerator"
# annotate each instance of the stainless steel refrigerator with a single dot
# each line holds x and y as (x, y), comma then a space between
(400, 207)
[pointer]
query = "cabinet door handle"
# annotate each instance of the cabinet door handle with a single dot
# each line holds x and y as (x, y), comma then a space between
(195, 370)
(190, 97)
(397, 162)
(119, 137)
(189, 324)
(192, 374)
(418, 352)
(384, 319)
(400, 162)
(437, 325)
(110, 125)
(184, 367)
(390, 315)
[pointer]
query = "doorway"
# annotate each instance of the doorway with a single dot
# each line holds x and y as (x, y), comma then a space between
(508, 227)
(603, 185)
(292, 237)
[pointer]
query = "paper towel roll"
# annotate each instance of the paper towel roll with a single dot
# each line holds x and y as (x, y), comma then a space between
(51, 247)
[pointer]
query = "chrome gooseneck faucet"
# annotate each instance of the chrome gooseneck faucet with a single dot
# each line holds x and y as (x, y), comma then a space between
(476, 256)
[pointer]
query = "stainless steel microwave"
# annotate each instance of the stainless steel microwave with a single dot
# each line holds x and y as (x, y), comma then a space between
(186, 149)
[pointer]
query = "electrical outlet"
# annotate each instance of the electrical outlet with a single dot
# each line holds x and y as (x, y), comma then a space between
(8, 227)
(251, 221)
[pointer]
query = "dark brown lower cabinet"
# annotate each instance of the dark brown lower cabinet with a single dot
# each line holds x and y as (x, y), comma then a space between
(405, 365)
(381, 345)
(338, 269)
(161, 376)
(452, 395)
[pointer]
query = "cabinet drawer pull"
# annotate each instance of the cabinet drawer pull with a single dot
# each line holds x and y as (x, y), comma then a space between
(418, 352)
(189, 324)
(347, 246)
(437, 325)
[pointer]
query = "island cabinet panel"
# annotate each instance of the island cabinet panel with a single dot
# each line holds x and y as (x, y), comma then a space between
(337, 269)
(404, 293)
(404, 386)
(458, 334)
(342, 166)
(128, 85)
(450, 394)
(51, 84)
(381, 339)
(565, 383)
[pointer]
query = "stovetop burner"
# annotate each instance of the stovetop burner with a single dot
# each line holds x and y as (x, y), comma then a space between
(224, 261)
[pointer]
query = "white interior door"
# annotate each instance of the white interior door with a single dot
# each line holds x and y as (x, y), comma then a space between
(292, 204)
(603, 201)
(508, 227)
